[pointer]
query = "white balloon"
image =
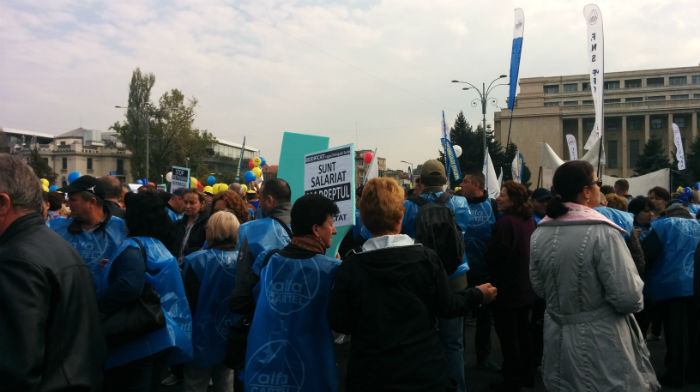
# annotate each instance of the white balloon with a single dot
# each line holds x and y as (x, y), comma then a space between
(458, 151)
(169, 176)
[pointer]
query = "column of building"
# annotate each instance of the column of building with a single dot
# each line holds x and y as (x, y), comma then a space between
(623, 142)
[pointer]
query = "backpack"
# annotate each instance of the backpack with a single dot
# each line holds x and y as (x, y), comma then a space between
(436, 228)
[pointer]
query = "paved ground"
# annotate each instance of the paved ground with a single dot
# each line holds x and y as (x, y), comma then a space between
(479, 380)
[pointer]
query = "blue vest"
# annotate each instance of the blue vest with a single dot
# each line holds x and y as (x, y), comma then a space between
(166, 280)
(694, 209)
(290, 345)
(216, 270)
(93, 246)
(457, 204)
(173, 215)
(262, 234)
(478, 234)
(671, 276)
(623, 219)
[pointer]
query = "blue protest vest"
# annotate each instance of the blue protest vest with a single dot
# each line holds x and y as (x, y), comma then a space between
(457, 204)
(694, 209)
(290, 345)
(173, 215)
(262, 234)
(93, 246)
(216, 270)
(623, 219)
(166, 280)
(478, 234)
(671, 276)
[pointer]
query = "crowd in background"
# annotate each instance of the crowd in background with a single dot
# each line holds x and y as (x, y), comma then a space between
(242, 294)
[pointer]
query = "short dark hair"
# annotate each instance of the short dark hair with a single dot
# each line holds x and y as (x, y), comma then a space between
(622, 185)
(112, 187)
(607, 189)
(478, 177)
(660, 192)
(568, 181)
(310, 210)
(145, 216)
(56, 200)
(278, 189)
(639, 204)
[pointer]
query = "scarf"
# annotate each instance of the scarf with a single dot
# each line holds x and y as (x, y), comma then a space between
(310, 243)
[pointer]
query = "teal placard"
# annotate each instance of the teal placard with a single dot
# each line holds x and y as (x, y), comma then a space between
(294, 147)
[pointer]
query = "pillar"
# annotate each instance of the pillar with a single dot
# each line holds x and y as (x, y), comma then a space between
(579, 138)
(669, 135)
(647, 127)
(625, 162)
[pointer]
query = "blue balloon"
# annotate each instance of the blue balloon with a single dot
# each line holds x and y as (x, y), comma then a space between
(144, 181)
(262, 162)
(73, 176)
(211, 180)
(249, 176)
(53, 188)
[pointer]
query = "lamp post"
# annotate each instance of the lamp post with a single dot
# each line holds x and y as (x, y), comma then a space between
(483, 99)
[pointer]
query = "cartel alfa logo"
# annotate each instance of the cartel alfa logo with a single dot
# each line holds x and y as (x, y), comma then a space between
(276, 366)
(291, 286)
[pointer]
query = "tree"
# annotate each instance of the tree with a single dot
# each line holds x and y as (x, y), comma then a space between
(691, 174)
(654, 158)
(40, 166)
(173, 139)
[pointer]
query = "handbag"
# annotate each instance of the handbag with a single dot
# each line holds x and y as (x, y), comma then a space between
(135, 319)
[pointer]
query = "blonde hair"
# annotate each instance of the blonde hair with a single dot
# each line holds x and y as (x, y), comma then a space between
(222, 227)
(381, 206)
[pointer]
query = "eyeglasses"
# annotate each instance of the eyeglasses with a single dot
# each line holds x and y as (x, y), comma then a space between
(599, 183)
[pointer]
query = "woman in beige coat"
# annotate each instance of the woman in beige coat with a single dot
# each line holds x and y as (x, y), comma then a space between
(580, 265)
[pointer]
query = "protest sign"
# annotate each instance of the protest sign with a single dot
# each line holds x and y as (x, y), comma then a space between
(180, 179)
(331, 173)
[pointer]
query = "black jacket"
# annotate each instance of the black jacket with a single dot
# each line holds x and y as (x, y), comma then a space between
(198, 235)
(50, 334)
(388, 300)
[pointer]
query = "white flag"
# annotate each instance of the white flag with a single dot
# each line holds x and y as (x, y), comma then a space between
(516, 167)
(373, 169)
(594, 22)
(573, 149)
(680, 155)
(493, 187)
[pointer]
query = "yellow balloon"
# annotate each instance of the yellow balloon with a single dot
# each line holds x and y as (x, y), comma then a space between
(46, 188)
(208, 189)
(223, 187)
(44, 182)
(193, 182)
(244, 188)
(257, 171)
(257, 161)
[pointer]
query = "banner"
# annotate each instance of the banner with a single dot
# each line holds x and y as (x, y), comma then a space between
(680, 154)
(451, 161)
(573, 149)
(493, 187)
(640, 185)
(331, 173)
(516, 168)
(515, 55)
(594, 21)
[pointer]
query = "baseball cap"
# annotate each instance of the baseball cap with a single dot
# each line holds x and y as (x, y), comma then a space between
(86, 184)
(541, 194)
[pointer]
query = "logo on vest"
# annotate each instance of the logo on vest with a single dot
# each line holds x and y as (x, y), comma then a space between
(275, 367)
(292, 285)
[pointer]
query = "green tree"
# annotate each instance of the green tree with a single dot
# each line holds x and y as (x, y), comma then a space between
(653, 158)
(173, 138)
(41, 167)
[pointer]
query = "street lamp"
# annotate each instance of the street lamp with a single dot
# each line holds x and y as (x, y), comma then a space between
(483, 98)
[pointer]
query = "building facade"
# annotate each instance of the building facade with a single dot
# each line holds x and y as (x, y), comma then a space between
(361, 166)
(638, 105)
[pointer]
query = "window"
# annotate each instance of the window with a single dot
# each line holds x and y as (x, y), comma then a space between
(63, 143)
(611, 154)
(656, 98)
(570, 103)
(120, 167)
(680, 121)
(570, 88)
(551, 89)
(588, 102)
(633, 152)
(655, 82)
(696, 96)
(679, 97)
(585, 86)
(695, 79)
(677, 80)
(613, 123)
(633, 83)
(550, 104)
(611, 85)
(64, 163)
(613, 100)
(634, 99)
(89, 163)
(634, 123)
(656, 123)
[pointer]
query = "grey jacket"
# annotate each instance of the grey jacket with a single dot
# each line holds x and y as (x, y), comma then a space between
(587, 277)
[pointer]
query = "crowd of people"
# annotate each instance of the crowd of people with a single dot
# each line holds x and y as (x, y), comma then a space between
(105, 289)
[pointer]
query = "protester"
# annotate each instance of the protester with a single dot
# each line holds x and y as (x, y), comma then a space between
(622, 188)
(508, 260)
(660, 198)
(209, 276)
(50, 335)
(615, 201)
(290, 345)
(56, 201)
(231, 201)
(388, 296)
(669, 249)
(643, 210)
(190, 230)
(540, 199)
(175, 205)
(113, 192)
(624, 220)
(433, 180)
(581, 266)
(91, 229)
(476, 237)
(143, 262)
(256, 236)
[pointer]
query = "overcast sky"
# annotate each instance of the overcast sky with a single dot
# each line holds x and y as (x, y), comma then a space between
(376, 73)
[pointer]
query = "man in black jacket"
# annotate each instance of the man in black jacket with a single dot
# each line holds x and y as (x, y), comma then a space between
(50, 335)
